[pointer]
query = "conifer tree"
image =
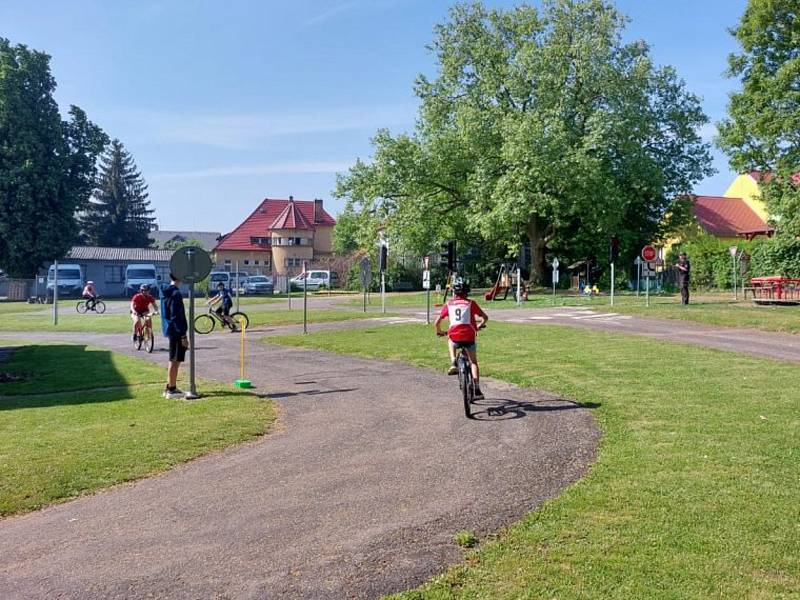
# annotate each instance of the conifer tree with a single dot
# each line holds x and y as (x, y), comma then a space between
(119, 213)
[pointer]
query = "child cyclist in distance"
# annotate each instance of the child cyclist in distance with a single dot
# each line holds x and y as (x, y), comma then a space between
(461, 312)
(225, 301)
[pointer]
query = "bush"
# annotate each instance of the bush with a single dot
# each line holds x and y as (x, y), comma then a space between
(711, 259)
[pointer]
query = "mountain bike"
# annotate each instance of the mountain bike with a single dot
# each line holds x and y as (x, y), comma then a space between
(205, 323)
(98, 306)
(144, 334)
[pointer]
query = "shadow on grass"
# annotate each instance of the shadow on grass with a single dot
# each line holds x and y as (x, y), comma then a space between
(503, 409)
(63, 374)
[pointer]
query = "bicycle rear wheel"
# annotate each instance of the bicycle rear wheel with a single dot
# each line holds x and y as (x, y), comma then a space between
(81, 307)
(100, 307)
(237, 317)
(204, 324)
(465, 380)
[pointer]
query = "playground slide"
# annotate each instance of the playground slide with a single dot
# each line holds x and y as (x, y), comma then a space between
(490, 295)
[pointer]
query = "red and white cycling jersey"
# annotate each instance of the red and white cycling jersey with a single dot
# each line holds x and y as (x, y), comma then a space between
(461, 313)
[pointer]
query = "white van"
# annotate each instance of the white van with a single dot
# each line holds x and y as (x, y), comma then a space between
(138, 274)
(316, 279)
(70, 281)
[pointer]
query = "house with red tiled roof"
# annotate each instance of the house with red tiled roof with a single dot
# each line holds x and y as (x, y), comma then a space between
(277, 237)
(738, 213)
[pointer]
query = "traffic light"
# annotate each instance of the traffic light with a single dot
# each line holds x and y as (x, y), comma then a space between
(448, 256)
(383, 258)
(614, 249)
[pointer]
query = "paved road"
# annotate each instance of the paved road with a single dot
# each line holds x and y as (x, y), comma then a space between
(371, 470)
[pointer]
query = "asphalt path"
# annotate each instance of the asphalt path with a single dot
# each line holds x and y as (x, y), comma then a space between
(370, 471)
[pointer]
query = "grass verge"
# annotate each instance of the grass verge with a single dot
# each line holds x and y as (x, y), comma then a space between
(54, 446)
(694, 491)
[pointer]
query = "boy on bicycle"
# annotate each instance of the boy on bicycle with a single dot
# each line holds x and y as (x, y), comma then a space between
(225, 301)
(461, 313)
(140, 308)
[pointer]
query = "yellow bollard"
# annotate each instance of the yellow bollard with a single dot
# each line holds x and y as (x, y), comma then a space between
(242, 382)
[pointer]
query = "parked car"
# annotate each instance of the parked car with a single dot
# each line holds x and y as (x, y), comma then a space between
(258, 284)
(70, 281)
(138, 274)
(316, 279)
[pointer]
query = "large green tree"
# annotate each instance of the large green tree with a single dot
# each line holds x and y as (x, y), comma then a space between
(119, 213)
(763, 128)
(47, 165)
(539, 125)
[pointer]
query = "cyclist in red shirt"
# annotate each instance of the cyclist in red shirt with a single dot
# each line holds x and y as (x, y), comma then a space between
(462, 314)
(140, 308)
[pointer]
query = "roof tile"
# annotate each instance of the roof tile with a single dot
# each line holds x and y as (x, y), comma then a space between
(727, 217)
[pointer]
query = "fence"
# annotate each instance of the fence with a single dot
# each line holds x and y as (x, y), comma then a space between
(18, 289)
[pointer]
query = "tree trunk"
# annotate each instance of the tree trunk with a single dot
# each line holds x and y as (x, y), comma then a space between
(538, 241)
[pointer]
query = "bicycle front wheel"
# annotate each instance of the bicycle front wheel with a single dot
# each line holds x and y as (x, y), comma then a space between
(81, 307)
(100, 307)
(204, 324)
(237, 318)
(149, 340)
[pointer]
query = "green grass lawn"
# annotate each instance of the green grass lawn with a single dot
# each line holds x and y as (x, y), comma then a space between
(57, 444)
(121, 323)
(694, 493)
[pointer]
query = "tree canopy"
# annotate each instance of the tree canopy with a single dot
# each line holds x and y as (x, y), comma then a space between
(763, 127)
(119, 213)
(540, 125)
(47, 165)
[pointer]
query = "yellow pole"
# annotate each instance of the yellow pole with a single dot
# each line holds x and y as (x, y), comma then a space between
(242, 382)
(243, 325)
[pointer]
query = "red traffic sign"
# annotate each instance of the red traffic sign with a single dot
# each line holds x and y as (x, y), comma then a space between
(649, 253)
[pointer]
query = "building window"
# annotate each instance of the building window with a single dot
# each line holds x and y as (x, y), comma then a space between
(261, 241)
(114, 273)
(246, 261)
(255, 262)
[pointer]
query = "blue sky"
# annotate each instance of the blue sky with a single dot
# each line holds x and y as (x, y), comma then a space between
(225, 103)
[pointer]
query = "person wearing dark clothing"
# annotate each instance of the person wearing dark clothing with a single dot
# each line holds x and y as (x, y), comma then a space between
(684, 270)
(174, 316)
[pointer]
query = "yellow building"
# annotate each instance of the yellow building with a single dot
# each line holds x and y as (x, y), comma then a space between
(277, 237)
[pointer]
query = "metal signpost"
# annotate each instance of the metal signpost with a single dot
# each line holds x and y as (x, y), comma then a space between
(366, 277)
(190, 265)
(733, 250)
(555, 278)
(649, 254)
(55, 292)
(305, 296)
(426, 285)
(612, 284)
(519, 283)
(638, 263)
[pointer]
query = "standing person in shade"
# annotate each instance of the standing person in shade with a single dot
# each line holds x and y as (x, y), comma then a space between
(174, 316)
(684, 269)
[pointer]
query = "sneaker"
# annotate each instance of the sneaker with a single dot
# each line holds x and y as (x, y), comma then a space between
(478, 395)
(453, 370)
(175, 394)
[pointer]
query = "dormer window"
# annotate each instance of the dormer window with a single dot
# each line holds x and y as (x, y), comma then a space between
(261, 241)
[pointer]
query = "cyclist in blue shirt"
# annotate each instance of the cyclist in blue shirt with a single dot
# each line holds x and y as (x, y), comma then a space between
(225, 301)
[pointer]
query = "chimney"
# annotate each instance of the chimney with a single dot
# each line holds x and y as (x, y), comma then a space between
(291, 198)
(317, 210)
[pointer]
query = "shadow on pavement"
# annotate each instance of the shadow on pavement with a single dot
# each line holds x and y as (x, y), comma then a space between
(279, 395)
(501, 409)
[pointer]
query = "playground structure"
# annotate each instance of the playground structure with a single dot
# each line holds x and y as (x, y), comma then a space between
(507, 282)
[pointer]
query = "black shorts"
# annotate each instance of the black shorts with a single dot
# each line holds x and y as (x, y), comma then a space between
(177, 352)
(224, 309)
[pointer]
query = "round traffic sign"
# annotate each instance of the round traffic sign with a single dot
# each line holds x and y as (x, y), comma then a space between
(649, 253)
(190, 264)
